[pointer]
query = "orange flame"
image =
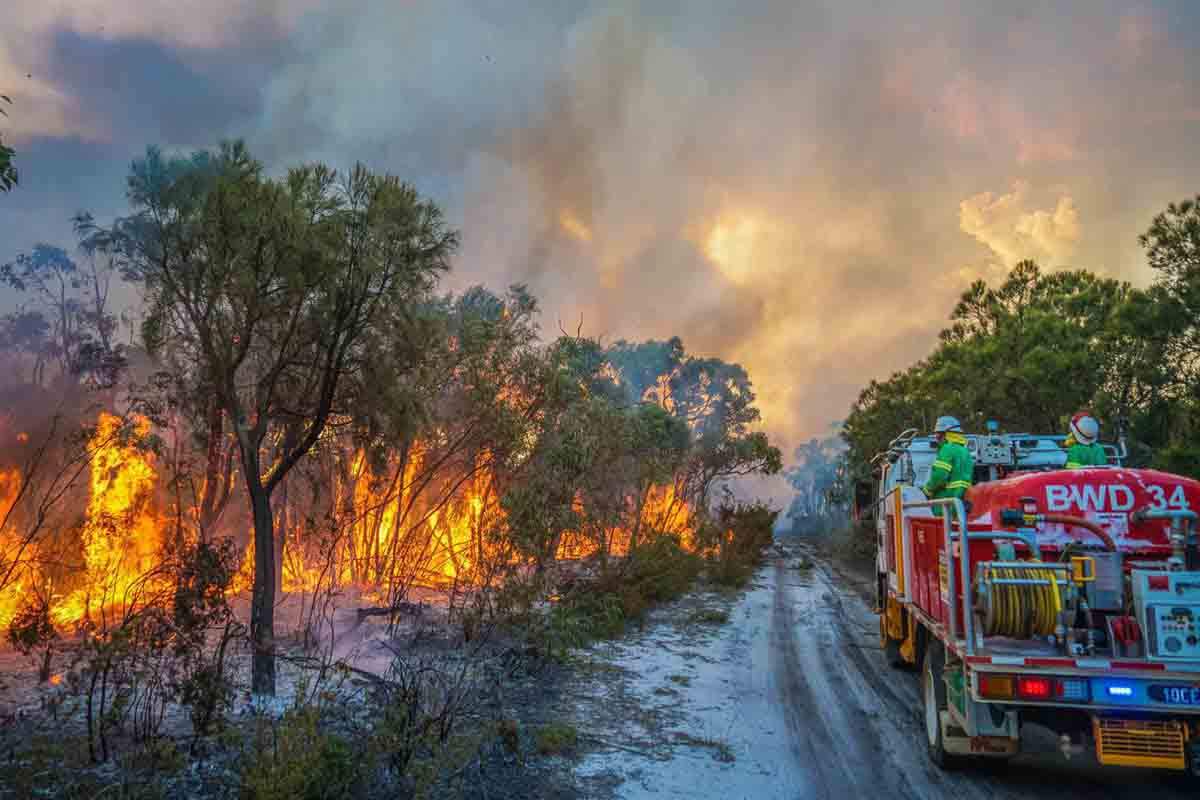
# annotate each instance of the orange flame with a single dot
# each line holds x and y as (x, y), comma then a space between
(122, 538)
(663, 511)
(12, 595)
(404, 526)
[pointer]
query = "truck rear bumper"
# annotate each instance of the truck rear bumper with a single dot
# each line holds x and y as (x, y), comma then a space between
(1159, 744)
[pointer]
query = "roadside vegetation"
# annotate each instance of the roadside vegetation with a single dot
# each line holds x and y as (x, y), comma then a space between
(1029, 352)
(1042, 345)
(295, 414)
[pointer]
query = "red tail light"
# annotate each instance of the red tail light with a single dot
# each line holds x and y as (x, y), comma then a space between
(1035, 688)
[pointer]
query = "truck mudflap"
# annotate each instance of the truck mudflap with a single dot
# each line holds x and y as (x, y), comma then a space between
(1161, 744)
(957, 742)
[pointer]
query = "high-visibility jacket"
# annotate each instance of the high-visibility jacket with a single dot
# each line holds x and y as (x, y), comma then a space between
(1085, 455)
(952, 469)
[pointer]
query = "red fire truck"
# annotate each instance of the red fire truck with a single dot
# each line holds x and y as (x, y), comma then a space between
(1066, 598)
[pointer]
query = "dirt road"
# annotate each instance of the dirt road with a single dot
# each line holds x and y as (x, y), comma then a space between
(791, 699)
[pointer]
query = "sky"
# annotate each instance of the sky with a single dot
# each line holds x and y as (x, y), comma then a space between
(802, 187)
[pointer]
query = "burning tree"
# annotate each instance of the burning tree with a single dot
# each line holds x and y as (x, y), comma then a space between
(268, 293)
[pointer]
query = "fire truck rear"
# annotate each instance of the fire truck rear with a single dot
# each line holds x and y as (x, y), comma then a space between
(1066, 598)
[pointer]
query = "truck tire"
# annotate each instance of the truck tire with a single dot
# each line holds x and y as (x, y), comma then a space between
(891, 652)
(933, 693)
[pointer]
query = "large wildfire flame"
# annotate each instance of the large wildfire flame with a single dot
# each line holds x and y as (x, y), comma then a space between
(396, 528)
(10, 598)
(122, 535)
(119, 541)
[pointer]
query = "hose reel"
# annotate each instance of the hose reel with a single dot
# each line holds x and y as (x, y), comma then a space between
(1020, 600)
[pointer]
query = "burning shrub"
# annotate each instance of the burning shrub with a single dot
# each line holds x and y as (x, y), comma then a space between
(161, 651)
(600, 607)
(735, 540)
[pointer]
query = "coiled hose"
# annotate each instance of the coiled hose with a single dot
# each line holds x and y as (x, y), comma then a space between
(1022, 611)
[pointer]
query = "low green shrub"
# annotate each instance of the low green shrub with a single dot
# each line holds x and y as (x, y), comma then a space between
(294, 759)
(708, 616)
(557, 738)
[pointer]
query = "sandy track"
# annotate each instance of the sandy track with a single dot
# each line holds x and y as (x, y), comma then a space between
(795, 686)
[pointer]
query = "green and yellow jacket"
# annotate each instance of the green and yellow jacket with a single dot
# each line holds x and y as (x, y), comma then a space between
(1084, 455)
(952, 469)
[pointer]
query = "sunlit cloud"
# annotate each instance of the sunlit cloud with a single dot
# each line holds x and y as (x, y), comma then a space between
(1013, 231)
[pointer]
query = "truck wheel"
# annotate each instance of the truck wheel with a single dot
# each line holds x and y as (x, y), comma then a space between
(933, 691)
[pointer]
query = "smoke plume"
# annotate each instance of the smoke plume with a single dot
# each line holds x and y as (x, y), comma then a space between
(803, 188)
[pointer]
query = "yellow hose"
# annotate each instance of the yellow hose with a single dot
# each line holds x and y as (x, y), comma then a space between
(1023, 611)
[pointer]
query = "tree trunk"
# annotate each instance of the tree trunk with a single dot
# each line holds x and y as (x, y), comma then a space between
(281, 536)
(212, 469)
(262, 608)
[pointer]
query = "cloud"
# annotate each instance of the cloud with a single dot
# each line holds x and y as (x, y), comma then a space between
(778, 183)
(1013, 231)
(48, 102)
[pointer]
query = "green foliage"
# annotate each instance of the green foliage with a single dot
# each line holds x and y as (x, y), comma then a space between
(1028, 353)
(270, 298)
(709, 616)
(735, 540)
(615, 425)
(582, 620)
(203, 627)
(1038, 347)
(295, 759)
(557, 738)
(660, 571)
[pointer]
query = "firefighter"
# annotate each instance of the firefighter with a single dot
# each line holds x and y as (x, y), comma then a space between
(1083, 449)
(953, 467)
